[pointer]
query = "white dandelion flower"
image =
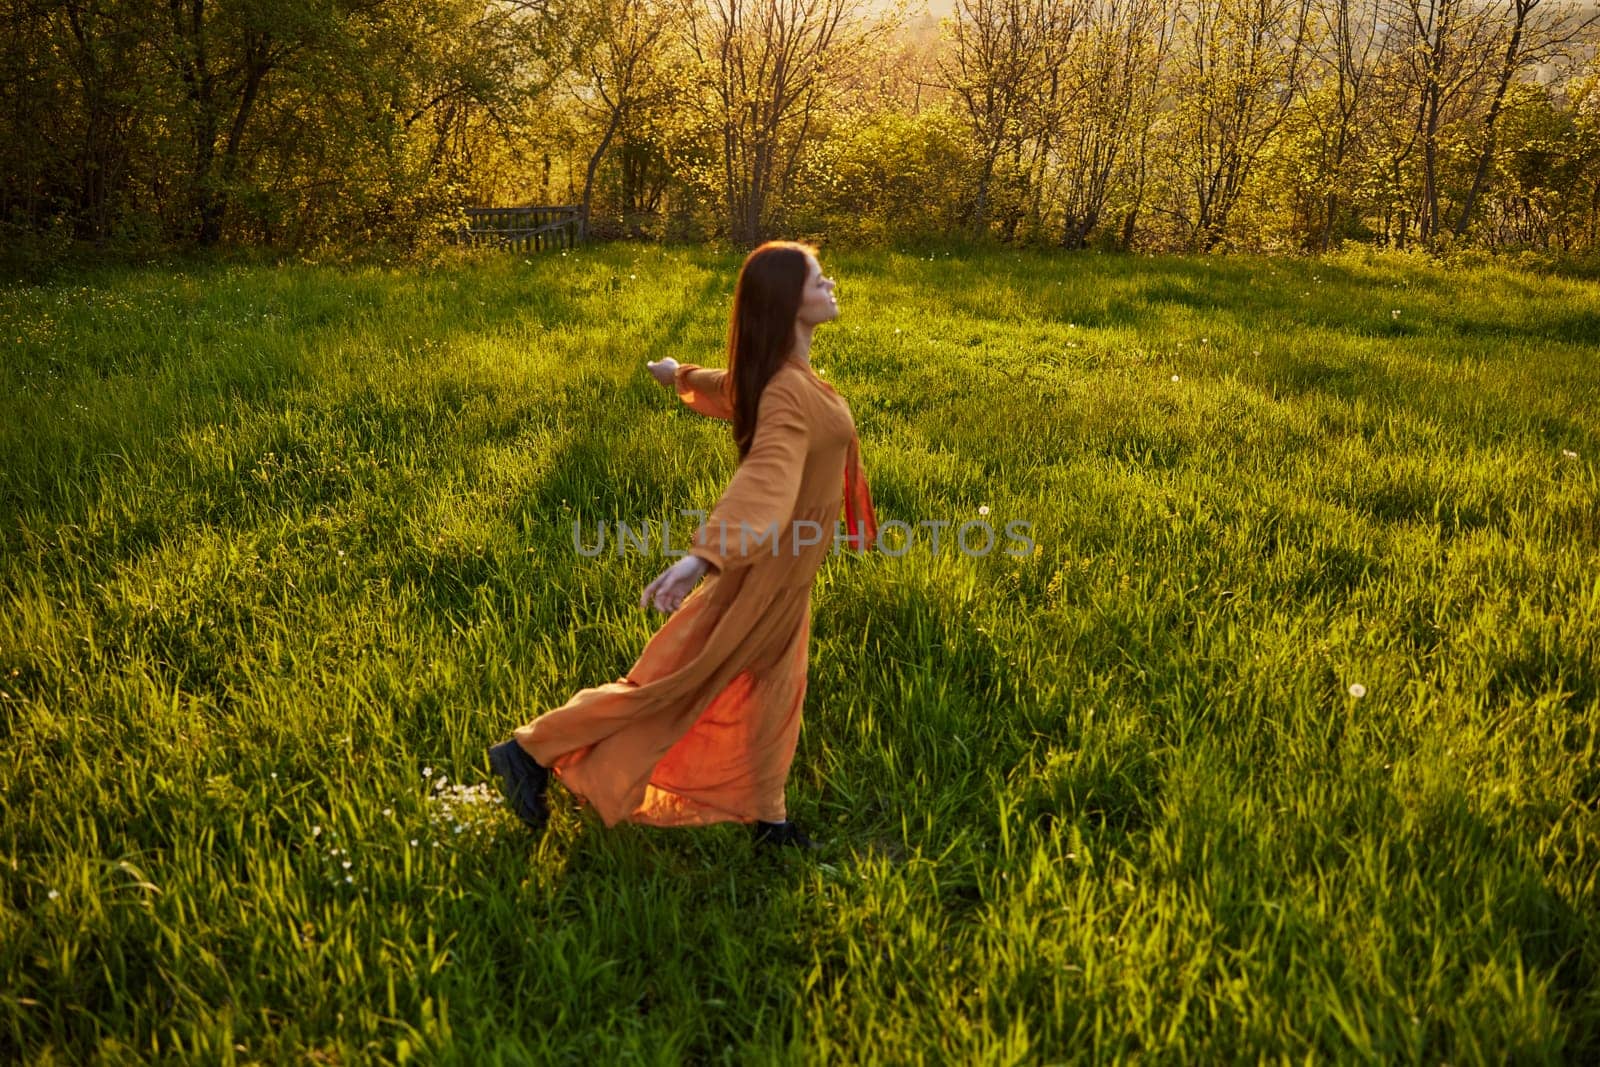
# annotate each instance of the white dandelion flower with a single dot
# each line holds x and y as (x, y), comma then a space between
(427, 772)
(55, 894)
(983, 509)
(1569, 453)
(1174, 377)
(388, 811)
(1358, 690)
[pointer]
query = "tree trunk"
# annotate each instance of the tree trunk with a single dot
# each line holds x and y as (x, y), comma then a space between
(1485, 158)
(594, 167)
(215, 208)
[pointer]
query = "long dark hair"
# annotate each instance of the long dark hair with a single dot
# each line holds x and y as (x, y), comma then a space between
(766, 300)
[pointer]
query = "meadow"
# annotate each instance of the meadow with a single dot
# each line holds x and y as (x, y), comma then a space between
(1286, 733)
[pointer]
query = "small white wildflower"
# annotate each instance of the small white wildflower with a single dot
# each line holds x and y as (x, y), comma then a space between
(388, 811)
(413, 842)
(983, 509)
(316, 831)
(1569, 453)
(345, 865)
(1395, 314)
(1174, 377)
(1358, 690)
(427, 772)
(54, 894)
(349, 879)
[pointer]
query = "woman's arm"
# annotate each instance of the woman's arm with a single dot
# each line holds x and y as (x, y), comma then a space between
(702, 388)
(760, 497)
(758, 502)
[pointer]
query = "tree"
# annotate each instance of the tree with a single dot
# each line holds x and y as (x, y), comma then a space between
(1345, 53)
(1447, 54)
(1240, 65)
(618, 75)
(1002, 58)
(1530, 39)
(765, 66)
(1115, 72)
(222, 51)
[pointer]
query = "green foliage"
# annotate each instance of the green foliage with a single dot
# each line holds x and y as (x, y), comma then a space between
(1546, 181)
(286, 547)
(1156, 125)
(886, 176)
(277, 123)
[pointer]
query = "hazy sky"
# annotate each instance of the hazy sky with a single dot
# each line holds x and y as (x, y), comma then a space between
(938, 8)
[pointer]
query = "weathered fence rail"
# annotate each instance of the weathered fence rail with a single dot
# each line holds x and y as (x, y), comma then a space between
(523, 229)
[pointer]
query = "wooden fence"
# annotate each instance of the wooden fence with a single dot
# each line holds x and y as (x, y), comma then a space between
(523, 229)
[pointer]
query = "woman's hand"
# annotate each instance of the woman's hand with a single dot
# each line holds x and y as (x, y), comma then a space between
(674, 583)
(663, 369)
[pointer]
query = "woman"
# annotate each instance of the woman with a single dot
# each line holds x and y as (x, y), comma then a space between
(703, 728)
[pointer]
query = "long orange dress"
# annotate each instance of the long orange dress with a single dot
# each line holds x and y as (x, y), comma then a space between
(704, 726)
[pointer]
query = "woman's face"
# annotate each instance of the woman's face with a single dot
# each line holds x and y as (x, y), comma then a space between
(817, 303)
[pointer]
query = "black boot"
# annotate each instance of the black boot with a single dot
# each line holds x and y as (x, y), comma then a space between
(524, 781)
(781, 834)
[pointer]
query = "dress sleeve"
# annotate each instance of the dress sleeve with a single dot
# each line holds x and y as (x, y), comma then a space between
(702, 389)
(749, 519)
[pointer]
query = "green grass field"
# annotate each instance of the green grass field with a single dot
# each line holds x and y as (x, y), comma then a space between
(286, 546)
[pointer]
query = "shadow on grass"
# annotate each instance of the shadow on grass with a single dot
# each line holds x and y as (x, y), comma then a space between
(305, 457)
(1128, 291)
(638, 931)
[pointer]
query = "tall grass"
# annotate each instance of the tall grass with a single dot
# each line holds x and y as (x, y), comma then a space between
(286, 547)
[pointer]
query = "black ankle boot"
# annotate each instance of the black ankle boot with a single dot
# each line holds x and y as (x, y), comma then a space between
(524, 780)
(783, 834)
